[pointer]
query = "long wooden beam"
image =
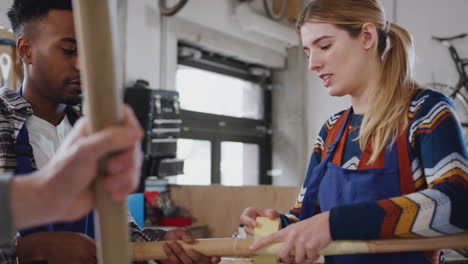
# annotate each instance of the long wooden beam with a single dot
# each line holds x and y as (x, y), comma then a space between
(234, 247)
(101, 84)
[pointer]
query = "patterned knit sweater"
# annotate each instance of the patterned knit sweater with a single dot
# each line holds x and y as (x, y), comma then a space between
(439, 167)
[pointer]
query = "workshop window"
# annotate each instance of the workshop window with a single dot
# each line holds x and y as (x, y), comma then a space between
(197, 162)
(227, 103)
(234, 96)
(239, 163)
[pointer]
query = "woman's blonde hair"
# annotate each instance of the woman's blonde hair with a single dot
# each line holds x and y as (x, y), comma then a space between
(386, 116)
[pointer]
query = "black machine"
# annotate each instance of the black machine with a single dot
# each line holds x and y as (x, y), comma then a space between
(158, 112)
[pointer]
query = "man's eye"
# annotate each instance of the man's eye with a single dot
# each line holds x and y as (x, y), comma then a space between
(69, 51)
(326, 47)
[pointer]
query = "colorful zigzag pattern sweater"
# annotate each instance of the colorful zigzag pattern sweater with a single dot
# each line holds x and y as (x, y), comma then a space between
(439, 169)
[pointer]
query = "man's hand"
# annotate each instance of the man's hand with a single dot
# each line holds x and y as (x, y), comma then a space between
(56, 248)
(177, 255)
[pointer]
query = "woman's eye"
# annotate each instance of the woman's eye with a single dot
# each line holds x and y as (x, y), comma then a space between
(325, 47)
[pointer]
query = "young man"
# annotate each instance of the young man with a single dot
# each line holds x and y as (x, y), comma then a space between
(43, 111)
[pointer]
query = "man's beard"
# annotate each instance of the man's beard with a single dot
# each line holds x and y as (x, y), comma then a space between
(74, 101)
(78, 98)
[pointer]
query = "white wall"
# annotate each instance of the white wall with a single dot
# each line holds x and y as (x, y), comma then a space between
(143, 42)
(4, 6)
(289, 121)
(424, 18)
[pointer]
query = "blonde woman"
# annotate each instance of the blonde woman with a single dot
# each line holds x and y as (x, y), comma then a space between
(392, 165)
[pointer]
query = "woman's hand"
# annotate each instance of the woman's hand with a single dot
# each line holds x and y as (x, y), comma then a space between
(250, 214)
(304, 238)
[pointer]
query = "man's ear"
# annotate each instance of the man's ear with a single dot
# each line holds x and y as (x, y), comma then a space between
(368, 36)
(24, 48)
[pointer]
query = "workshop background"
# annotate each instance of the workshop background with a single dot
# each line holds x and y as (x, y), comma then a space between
(239, 108)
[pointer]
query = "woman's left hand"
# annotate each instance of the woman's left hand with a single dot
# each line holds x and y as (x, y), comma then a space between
(306, 238)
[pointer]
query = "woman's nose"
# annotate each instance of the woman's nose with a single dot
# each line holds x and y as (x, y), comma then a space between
(315, 64)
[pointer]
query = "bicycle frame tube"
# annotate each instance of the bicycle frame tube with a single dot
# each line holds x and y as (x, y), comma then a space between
(463, 81)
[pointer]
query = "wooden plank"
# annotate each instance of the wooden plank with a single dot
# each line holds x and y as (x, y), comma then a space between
(210, 247)
(103, 106)
(236, 261)
(235, 247)
(265, 227)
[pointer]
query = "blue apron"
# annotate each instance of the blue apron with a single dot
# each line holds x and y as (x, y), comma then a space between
(335, 186)
(24, 158)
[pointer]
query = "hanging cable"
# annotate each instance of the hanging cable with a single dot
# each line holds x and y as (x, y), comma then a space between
(8, 42)
(271, 14)
(170, 11)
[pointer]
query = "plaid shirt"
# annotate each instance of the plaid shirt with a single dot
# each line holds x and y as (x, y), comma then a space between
(14, 110)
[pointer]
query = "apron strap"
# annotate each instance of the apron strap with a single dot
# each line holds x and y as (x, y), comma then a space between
(71, 115)
(333, 131)
(332, 147)
(23, 153)
(338, 155)
(20, 90)
(365, 157)
(405, 172)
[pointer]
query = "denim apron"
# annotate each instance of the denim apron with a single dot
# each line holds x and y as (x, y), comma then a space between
(334, 186)
(24, 158)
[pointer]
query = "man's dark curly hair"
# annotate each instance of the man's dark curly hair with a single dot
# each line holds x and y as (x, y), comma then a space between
(23, 11)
